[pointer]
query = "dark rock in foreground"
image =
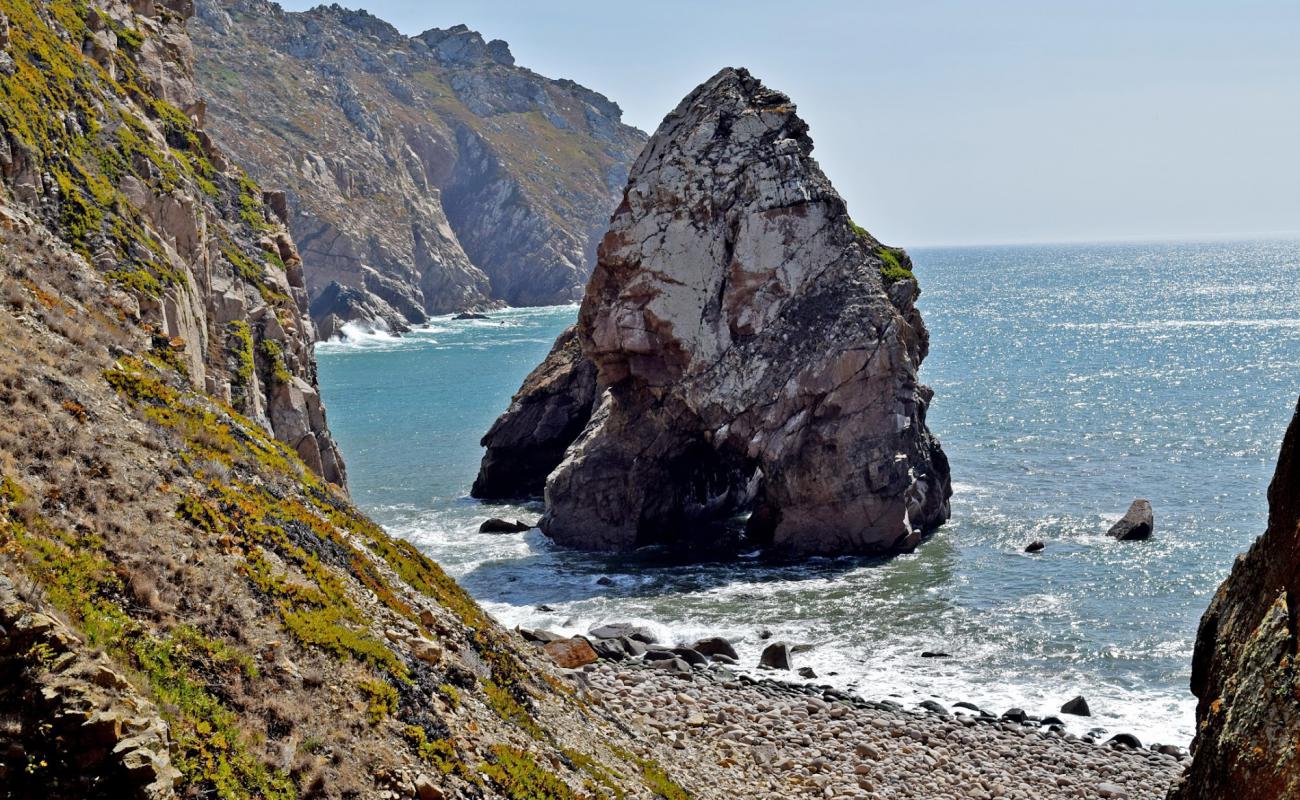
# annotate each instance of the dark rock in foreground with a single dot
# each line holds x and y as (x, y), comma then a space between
(1137, 523)
(1077, 706)
(715, 646)
(498, 525)
(776, 656)
(1244, 672)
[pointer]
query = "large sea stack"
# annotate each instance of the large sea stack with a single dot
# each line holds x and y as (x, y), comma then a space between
(1244, 670)
(754, 350)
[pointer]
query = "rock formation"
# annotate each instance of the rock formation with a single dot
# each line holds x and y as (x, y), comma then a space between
(548, 412)
(755, 350)
(428, 173)
(1244, 668)
(1138, 523)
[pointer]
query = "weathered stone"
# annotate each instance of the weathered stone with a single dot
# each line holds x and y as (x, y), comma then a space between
(1035, 546)
(776, 656)
(1137, 523)
(571, 653)
(752, 353)
(1077, 706)
(715, 646)
(497, 525)
(614, 630)
(427, 789)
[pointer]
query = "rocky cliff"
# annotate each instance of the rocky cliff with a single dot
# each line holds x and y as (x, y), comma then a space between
(429, 173)
(755, 352)
(189, 606)
(1244, 669)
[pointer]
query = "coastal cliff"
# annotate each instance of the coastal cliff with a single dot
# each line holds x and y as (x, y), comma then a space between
(755, 352)
(425, 174)
(1244, 669)
(189, 605)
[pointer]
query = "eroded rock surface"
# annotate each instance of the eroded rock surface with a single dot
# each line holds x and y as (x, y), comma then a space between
(756, 350)
(1244, 671)
(429, 172)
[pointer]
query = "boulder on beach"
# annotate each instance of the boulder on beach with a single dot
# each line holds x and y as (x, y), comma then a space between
(776, 656)
(571, 653)
(715, 646)
(807, 672)
(539, 636)
(609, 649)
(614, 630)
(498, 525)
(1125, 740)
(1015, 715)
(1137, 523)
(690, 656)
(1077, 706)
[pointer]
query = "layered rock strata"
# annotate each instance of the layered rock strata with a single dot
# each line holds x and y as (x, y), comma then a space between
(428, 173)
(1244, 668)
(756, 353)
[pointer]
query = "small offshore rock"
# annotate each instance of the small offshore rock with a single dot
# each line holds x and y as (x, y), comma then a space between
(1035, 546)
(470, 315)
(604, 580)
(776, 656)
(807, 672)
(498, 525)
(1137, 523)
(934, 654)
(1078, 707)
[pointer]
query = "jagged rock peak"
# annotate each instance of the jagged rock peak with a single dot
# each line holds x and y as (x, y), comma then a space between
(756, 350)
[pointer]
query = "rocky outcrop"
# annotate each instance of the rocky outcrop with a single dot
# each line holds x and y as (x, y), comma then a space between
(1138, 523)
(429, 173)
(1244, 667)
(548, 412)
(756, 351)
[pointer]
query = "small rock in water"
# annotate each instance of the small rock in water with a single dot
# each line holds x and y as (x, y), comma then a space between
(776, 656)
(497, 525)
(807, 672)
(1137, 523)
(934, 654)
(1078, 707)
(765, 634)
(604, 580)
(471, 315)
(545, 609)
(1035, 546)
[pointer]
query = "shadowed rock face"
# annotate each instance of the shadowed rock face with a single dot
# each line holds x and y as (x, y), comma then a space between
(546, 415)
(1244, 671)
(751, 356)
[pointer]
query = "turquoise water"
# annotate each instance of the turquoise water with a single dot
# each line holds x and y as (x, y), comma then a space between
(1068, 381)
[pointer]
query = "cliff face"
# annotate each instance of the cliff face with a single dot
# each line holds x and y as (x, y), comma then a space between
(757, 352)
(430, 172)
(188, 604)
(1244, 669)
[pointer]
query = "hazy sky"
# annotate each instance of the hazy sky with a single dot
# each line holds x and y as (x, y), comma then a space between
(947, 122)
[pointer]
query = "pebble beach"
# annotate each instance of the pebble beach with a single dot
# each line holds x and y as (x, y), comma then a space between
(766, 739)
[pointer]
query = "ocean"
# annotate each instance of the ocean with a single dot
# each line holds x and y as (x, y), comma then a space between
(1069, 380)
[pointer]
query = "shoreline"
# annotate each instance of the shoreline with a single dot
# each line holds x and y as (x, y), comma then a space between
(769, 739)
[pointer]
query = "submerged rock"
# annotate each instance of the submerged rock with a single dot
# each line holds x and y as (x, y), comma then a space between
(1243, 666)
(1137, 523)
(1035, 546)
(755, 351)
